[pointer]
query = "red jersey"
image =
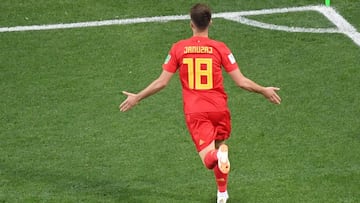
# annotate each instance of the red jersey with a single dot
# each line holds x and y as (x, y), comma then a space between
(199, 61)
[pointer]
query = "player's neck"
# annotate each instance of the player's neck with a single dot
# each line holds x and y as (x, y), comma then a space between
(201, 34)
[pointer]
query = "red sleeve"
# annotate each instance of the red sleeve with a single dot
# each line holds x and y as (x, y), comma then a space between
(171, 63)
(228, 59)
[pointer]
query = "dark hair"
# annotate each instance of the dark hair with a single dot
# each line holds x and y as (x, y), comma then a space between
(201, 15)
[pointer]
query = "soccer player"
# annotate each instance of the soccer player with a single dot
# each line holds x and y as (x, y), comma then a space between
(199, 61)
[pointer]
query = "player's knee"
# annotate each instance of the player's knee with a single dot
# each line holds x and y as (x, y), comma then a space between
(209, 162)
(209, 166)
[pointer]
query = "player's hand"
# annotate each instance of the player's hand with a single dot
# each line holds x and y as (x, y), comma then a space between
(129, 102)
(271, 95)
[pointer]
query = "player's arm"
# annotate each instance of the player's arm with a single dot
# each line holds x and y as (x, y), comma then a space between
(249, 85)
(154, 87)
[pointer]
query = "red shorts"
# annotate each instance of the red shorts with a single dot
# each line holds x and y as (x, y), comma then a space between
(207, 127)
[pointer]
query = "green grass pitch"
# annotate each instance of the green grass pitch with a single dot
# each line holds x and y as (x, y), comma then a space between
(63, 139)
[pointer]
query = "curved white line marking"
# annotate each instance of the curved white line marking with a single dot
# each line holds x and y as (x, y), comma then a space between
(342, 25)
(258, 24)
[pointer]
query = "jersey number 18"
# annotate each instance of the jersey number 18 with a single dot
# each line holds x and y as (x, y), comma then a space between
(199, 73)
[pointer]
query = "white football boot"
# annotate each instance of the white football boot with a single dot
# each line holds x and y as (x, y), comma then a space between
(222, 197)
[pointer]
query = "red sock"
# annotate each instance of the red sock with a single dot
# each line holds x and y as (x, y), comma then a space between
(211, 159)
(221, 179)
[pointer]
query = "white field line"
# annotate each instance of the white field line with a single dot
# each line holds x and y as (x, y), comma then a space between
(243, 20)
(342, 25)
(94, 23)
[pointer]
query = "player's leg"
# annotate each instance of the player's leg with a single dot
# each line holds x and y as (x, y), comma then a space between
(211, 157)
(216, 154)
(215, 157)
(208, 156)
(221, 121)
(218, 143)
(203, 133)
(221, 177)
(222, 169)
(218, 150)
